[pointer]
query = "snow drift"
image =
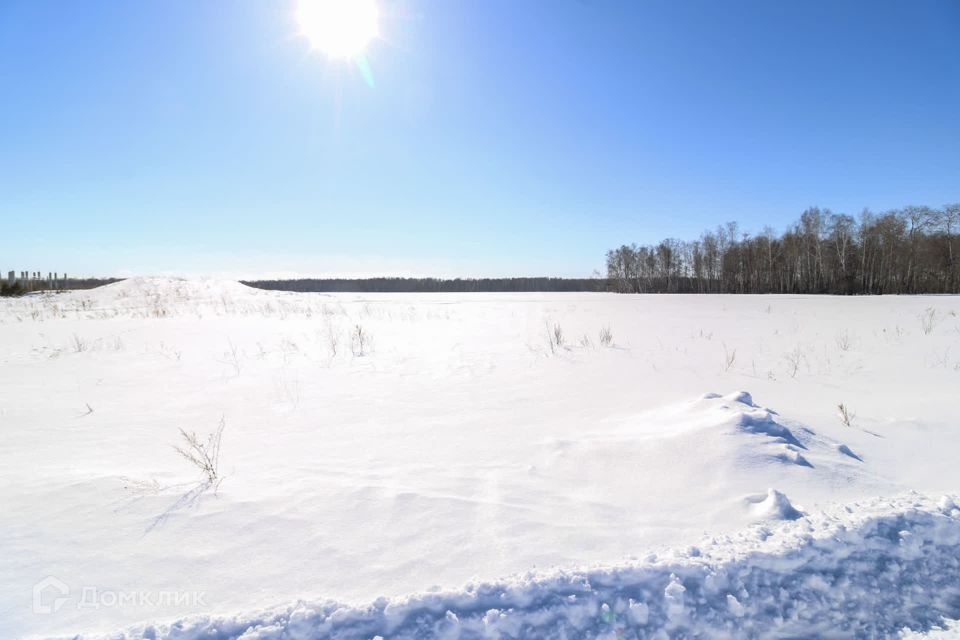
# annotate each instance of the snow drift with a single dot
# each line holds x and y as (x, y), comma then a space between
(867, 570)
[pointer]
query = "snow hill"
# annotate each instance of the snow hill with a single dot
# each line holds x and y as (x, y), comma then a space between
(411, 465)
(144, 297)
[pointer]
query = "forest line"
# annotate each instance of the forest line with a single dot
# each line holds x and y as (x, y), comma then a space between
(908, 250)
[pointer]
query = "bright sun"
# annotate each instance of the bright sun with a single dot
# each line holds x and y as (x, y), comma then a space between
(339, 28)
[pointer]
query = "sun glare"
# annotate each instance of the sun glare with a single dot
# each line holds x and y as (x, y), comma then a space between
(339, 28)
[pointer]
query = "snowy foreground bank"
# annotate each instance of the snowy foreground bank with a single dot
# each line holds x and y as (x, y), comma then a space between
(870, 569)
(588, 465)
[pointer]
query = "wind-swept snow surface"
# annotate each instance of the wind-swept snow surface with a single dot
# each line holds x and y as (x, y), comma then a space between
(390, 449)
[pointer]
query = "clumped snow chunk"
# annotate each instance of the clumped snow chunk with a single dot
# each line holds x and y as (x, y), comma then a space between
(734, 606)
(949, 506)
(673, 599)
(773, 506)
(639, 612)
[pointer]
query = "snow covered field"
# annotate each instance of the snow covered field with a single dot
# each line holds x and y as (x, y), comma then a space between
(416, 465)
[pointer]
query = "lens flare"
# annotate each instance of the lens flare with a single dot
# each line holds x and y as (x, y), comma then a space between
(339, 28)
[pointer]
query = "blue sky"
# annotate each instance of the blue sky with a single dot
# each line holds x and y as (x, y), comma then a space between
(499, 138)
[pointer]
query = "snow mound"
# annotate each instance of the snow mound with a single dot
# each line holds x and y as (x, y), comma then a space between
(170, 296)
(777, 442)
(161, 297)
(773, 506)
(868, 571)
(718, 448)
(735, 438)
(173, 288)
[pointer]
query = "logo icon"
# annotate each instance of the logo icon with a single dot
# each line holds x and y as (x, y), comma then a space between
(49, 595)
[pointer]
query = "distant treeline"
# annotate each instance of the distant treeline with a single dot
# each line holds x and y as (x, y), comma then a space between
(431, 285)
(20, 287)
(909, 250)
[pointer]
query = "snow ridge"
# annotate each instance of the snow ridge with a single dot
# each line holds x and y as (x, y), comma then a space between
(869, 569)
